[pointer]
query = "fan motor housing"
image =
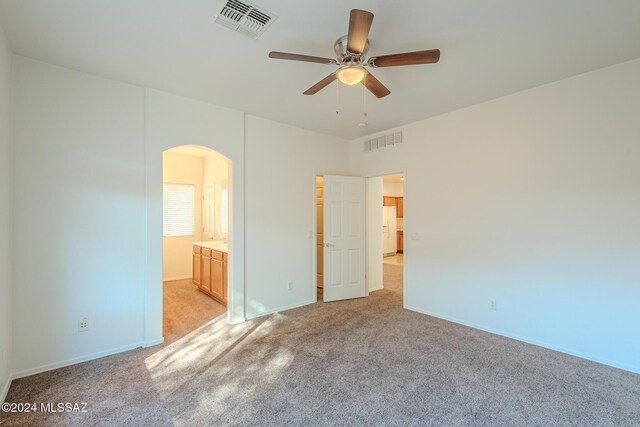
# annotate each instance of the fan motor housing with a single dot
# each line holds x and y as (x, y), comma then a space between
(344, 56)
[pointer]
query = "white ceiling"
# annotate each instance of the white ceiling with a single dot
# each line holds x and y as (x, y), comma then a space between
(489, 49)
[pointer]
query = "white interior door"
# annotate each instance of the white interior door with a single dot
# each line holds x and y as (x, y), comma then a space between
(344, 237)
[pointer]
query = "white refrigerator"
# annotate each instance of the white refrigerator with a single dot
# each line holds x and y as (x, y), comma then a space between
(389, 227)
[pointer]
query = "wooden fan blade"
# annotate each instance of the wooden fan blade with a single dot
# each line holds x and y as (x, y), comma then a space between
(296, 57)
(320, 85)
(359, 26)
(410, 58)
(374, 86)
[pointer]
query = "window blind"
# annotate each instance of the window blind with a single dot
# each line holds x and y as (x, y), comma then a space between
(178, 213)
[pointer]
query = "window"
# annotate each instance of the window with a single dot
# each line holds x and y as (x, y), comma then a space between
(178, 219)
(224, 211)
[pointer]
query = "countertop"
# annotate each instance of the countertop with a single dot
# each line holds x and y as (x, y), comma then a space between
(215, 245)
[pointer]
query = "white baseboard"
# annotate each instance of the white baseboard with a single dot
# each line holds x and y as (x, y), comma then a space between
(173, 279)
(151, 343)
(612, 363)
(74, 360)
(235, 321)
(377, 288)
(285, 308)
(5, 389)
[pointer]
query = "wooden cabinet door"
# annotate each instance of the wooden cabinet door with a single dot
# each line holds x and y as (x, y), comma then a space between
(400, 205)
(205, 274)
(217, 279)
(196, 269)
(388, 201)
(400, 241)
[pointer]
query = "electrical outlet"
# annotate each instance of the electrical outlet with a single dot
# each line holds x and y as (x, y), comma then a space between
(290, 286)
(83, 325)
(493, 305)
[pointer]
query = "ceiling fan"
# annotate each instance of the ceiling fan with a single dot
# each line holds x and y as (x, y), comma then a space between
(350, 52)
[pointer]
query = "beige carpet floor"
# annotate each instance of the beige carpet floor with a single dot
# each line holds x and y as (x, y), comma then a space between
(358, 362)
(185, 309)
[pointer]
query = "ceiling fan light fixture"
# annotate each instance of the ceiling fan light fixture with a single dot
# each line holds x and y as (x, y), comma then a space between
(351, 75)
(351, 51)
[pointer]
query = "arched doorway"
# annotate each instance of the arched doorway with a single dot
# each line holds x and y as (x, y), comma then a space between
(170, 121)
(195, 238)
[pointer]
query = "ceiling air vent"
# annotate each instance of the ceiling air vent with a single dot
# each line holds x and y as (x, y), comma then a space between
(384, 141)
(245, 18)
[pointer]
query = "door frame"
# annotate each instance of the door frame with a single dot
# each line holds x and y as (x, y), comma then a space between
(314, 237)
(381, 174)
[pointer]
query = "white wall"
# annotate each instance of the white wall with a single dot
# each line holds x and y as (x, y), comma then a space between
(6, 215)
(88, 204)
(89, 210)
(281, 163)
(392, 189)
(531, 200)
(176, 251)
(79, 239)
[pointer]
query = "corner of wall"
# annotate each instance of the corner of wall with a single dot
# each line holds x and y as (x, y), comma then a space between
(6, 227)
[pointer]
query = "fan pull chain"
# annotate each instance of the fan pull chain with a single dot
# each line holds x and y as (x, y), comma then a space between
(337, 97)
(364, 96)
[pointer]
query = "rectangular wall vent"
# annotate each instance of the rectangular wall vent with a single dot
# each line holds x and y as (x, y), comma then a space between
(384, 141)
(245, 18)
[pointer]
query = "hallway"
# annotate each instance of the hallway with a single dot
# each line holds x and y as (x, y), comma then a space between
(393, 271)
(397, 259)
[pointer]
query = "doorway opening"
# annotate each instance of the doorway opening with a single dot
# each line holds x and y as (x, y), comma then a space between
(385, 234)
(393, 232)
(195, 252)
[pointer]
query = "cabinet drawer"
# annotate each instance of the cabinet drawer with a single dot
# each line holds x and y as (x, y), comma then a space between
(225, 257)
(216, 255)
(206, 252)
(197, 250)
